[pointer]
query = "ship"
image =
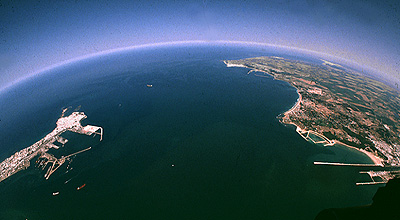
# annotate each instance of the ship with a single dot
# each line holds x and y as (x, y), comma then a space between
(80, 187)
(55, 193)
(149, 85)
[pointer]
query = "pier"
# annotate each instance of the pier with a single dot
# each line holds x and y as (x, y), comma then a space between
(380, 177)
(56, 163)
(347, 164)
(377, 176)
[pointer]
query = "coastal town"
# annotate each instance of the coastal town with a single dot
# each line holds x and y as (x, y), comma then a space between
(338, 105)
(21, 159)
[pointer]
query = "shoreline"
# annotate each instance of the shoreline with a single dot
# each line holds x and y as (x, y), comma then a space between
(234, 65)
(375, 159)
(296, 104)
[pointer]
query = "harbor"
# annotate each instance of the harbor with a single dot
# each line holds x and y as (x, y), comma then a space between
(21, 159)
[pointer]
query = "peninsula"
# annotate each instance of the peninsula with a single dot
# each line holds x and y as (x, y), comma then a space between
(21, 159)
(337, 105)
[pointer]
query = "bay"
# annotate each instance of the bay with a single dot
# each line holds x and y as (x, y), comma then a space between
(203, 142)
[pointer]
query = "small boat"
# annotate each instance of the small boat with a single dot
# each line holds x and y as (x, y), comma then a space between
(149, 85)
(67, 181)
(55, 193)
(81, 187)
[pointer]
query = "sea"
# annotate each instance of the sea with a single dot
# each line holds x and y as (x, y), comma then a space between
(202, 142)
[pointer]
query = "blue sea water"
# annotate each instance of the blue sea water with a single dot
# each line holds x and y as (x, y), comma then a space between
(202, 143)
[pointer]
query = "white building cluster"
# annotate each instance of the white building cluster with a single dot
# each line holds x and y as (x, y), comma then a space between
(21, 159)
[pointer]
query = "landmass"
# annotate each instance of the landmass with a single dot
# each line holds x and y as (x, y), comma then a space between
(337, 105)
(21, 159)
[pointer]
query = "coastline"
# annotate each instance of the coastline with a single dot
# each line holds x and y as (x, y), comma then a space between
(234, 65)
(375, 159)
(296, 104)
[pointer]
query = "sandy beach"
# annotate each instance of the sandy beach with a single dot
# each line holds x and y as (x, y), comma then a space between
(296, 105)
(377, 160)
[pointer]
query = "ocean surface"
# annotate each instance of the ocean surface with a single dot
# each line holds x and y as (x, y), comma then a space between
(202, 143)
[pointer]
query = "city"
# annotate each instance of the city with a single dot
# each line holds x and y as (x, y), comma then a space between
(21, 159)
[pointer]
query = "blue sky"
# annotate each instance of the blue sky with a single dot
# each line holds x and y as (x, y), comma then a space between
(38, 34)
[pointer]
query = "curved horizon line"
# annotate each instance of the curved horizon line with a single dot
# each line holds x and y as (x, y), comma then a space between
(175, 43)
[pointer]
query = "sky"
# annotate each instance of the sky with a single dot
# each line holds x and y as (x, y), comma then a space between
(35, 35)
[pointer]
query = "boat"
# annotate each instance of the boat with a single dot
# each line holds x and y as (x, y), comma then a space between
(55, 193)
(81, 187)
(149, 85)
(67, 181)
